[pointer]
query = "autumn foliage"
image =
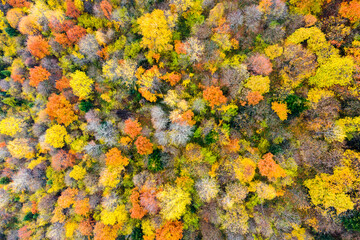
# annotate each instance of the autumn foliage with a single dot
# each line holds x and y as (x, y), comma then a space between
(115, 158)
(269, 168)
(37, 75)
(137, 211)
(59, 108)
(171, 230)
(143, 145)
(214, 96)
(38, 46)
(132, 128)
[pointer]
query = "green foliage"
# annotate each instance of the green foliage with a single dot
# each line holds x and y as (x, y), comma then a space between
(85, 106)
(351, 221)
(4, 180)
(154, 162)
(296, 104)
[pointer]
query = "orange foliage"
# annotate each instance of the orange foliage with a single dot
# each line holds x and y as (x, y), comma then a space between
(171, 230)
(269, 168)
(86, 227)
(82, 207)
(60, 109)
(105, 232)
(13, 16)
(37, 75)
(180, 47)
(62, 39)
(106, 8)
(136, 211)
(148, 200)
(214, 96)
(34, 207)
(29, 26)
(62, 160)
(350, 10)
(132, 128)
(254, 98)
(75, 33)
(173, 78)
(24, 233)
(114, 158)
(187, 117)
(280, 109)
(62, 83)
(103, 53)
(143, 145)
(18, 3)
(71, 10)
(67, 197)
(38, 46)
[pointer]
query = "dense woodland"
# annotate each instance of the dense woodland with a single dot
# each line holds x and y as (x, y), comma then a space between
(180, 119)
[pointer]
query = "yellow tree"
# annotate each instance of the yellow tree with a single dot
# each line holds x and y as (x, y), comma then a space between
(81, 84)
(332, 190)
(155, 31)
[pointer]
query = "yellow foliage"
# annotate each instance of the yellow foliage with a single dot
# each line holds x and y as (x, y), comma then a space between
(274, 51)
(10, 126)
(110, 176)
(244, 169)
(265, 191)
(70, 229)
(19, 148)
(118, 216)
(77, 173)
(259, 83)
(81, 84)
(331, 190)
(316, 94)
(36, 162)
(56, 135)
(155, 30)
(173, 202)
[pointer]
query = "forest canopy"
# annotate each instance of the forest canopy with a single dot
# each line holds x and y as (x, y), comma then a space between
(179, 119)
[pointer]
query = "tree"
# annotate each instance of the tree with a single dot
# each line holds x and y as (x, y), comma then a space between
(280, 109)
(115, 158)
(106, 8)
(82, 207)
(143, 145)
(13, 16)
(38, 46)
(148, 200)
(19, 3)
(254, 98)
(10, 126)
(67, 197)
(260, 64)
(173, 78)
(258, 84)
(60, 109)
(136, 211)
(77, 173)
(214, 96)
(155, 30)
(336, 70)
(332, 190)
(75, 33)
(102, 231)
(62, 83)
(269, 168)
(37, 75)
(244, 169)
(132, 128)
(55, 136)
(21, 148)
(207, 189)
(171, 230)
(173, 202)
(62, 160)
(81, 84)
(307, 6)
(71, 9)
(350, 10)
